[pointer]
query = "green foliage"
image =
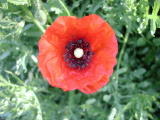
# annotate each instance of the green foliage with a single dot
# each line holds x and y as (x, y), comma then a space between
(133, 92)
(19, 2)
(155, 19)
(18, 102)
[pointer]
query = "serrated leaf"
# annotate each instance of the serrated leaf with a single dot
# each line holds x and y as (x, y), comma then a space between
(20, 2)
(56, 7)
(40, 13)
(10, 28)
(56, 10)
(41, 16)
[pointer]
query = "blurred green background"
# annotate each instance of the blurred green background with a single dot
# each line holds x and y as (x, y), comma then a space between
(133, 92)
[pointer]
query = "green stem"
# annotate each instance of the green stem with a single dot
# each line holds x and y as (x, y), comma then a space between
(65, 8)
(30, 15)
(122, 111)
(70, 100)
(120, 57)
(122, 49)
(71, 104)
(39, 25)
(38, 105)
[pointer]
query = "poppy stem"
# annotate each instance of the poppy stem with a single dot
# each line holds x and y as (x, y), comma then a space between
(120, 57)
(65, 7)
(71, 98)
(39, 25)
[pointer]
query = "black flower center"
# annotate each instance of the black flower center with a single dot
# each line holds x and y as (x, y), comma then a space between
(78, 54)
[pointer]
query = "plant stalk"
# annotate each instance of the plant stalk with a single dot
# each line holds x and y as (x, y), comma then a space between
(65, 7)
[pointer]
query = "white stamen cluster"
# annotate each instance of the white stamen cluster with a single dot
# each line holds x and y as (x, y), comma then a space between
(78, 52)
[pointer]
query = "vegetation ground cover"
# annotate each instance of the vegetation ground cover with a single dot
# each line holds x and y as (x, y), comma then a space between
(133, 92)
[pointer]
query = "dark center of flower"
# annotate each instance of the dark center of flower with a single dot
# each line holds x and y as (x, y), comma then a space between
(78, 54)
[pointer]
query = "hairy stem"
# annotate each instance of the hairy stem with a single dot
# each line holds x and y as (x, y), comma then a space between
(120, 57)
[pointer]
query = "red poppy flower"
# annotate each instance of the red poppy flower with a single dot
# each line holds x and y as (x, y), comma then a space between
(78, 53)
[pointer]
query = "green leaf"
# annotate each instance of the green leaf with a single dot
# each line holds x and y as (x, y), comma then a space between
(154, 17)
(139, 72)
(40, 14)
(153, 27)
(158, 22)
(156, 7)
(56, 7)
(3, 4)
(156, 42)
(141, 42)
(18, 102)
(20, 2)
(106, 98)
(91, 101)
(10, 28)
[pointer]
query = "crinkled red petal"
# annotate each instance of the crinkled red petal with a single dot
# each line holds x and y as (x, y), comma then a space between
(94, 87)
(103, 43)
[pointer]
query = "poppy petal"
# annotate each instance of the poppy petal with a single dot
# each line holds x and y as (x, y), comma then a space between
(89, 73)
(94, 87)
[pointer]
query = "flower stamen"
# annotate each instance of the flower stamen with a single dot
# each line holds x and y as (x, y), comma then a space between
(78, 52)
